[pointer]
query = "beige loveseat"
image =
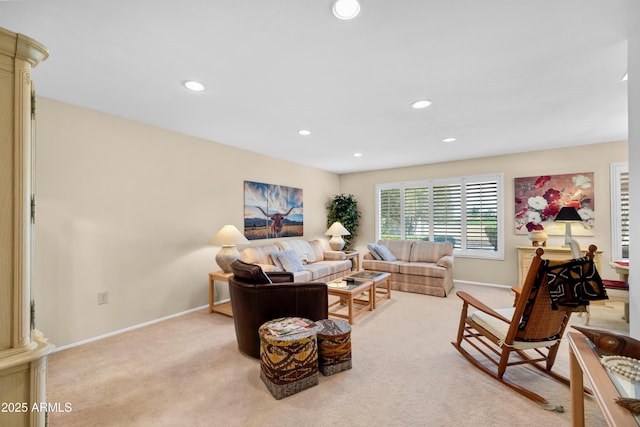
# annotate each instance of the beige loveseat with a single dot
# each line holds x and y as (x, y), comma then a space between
(419, 266)
(309, 261)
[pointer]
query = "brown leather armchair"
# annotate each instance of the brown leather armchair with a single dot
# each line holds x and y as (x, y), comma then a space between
(257, 297)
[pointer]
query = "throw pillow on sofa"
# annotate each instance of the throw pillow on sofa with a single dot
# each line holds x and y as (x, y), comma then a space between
(289, 261)
(373, 249)
(385, 253)
(301, 248)
(276, 260)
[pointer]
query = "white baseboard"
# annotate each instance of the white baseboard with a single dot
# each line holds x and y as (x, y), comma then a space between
(130, 328)
(492, 285)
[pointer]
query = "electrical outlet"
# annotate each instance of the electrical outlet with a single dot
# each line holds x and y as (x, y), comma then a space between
(103, 297)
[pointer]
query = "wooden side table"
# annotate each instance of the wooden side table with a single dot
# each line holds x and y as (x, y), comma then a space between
(223, 307)
(354, 256)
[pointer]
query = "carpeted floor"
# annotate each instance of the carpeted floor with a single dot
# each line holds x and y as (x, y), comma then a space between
(187, 371)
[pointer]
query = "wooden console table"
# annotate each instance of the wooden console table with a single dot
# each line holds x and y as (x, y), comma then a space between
(223, 307)
(526, 254)
(583, 360)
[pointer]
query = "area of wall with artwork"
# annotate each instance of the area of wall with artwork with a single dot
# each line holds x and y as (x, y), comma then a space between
(272, 211)
(539, 198)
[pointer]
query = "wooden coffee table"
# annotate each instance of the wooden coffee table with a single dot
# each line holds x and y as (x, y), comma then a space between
(381, 284)
(348, 295)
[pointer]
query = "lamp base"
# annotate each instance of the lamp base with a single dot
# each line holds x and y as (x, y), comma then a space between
(336, 243)
(226, 256)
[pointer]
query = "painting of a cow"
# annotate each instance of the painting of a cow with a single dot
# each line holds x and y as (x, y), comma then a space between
(272, 211)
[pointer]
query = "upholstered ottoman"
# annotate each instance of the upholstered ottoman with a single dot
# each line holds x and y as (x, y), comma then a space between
(288, 355)
(334, 346)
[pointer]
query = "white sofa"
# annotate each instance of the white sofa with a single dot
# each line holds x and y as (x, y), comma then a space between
(316, 263)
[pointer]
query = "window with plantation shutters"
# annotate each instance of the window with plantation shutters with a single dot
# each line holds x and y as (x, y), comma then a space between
(447, 214)
(482, 215)
(620, 211)
(416, 213)
(466, 211)
(390, 225)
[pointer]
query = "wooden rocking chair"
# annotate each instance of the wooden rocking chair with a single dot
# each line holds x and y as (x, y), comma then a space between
(532, 328)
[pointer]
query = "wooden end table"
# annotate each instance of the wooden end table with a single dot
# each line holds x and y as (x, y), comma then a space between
(354, 256)
(223, 307)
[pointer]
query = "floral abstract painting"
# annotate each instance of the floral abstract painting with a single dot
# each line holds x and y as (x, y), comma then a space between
(539, 198)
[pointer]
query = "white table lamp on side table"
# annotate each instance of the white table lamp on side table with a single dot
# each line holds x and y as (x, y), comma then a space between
(228, 237)
(336, 231)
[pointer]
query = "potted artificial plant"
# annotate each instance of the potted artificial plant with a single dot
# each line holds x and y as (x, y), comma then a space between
(344, 209)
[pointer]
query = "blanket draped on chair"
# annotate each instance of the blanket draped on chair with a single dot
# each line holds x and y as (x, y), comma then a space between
(573, 283)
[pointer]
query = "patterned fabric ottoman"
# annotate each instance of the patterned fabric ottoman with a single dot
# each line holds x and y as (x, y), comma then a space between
(288, 355)
(334, 345)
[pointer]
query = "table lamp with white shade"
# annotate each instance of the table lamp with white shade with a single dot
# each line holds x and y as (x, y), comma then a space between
(228, 237)
(569, 214)
(336, 231)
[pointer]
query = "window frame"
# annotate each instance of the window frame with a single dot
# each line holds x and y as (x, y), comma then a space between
(464, 251)
(616, 170)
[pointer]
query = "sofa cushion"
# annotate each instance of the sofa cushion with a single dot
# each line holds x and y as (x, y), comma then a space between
(428, 269)
(401, 249)
(259, 254)
(319, 270)
(384, 266)
(334, 267)
(249, 273)
(318, 250)
(289, 260)
(302, 276)
(429, 251)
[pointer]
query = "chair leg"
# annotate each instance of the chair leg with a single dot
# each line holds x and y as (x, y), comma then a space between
(463, 317)
(504, 360)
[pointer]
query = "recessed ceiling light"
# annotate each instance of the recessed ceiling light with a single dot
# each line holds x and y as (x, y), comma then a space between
(194, 86)
(304, 132)
(449, 139)
(346, 9)
(357, 154)
(423, 103)
(626, 77)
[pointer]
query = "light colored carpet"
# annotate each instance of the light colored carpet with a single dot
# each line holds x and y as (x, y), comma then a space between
(187, 371)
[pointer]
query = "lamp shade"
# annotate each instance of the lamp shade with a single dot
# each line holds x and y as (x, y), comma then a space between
(568, 213)
(228, 237)
(337, 229)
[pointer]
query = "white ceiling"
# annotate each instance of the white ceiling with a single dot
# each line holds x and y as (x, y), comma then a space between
(504, 76)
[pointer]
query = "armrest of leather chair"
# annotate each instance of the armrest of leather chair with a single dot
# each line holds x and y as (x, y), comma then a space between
(280, 276)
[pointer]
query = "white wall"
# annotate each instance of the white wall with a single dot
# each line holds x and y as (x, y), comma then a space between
(588, 158)
(129, 209)
(634, 164)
